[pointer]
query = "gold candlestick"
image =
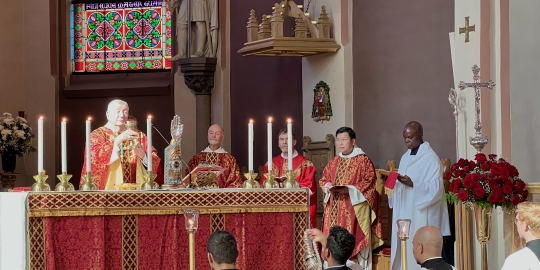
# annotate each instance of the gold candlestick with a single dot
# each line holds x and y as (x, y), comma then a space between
(88, 182)
(290, 182)
(192, 250)
(40, 184)
(149, 182)
(403, 233)
(250, 182)
(64, 184)
(192, 223)
(270, 182)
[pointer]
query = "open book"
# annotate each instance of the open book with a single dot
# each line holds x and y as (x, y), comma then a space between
(204, 176)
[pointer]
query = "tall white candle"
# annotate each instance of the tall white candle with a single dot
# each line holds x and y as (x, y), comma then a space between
(149, 142)
(289, 144)
(63, 144)
(88, 149)
(269, 125)
(40, 144)
(250, 145)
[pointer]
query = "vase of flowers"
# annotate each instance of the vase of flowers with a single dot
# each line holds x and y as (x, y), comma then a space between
(16, 139)
(482, 185)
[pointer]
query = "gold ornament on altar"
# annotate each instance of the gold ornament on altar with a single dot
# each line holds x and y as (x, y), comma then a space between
(310, 37)
(88, 184)
(250, 182)
(149, 183)
(270, 181)
(64, 184)
(173, 156)
(40, 184)
(290, 182)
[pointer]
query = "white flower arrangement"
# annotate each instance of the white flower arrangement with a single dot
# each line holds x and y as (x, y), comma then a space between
(16, 136)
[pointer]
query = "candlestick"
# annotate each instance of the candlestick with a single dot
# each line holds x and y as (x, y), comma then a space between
(40, 144)
(64, 184)
(250, 145)
(289, 144)
(63, 145)
(269, 125)
(149, 142)
(88, 149)
(40, 184)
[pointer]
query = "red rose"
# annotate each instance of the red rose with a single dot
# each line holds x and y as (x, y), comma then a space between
(466, 169)
(472, 165)
(513, 171)
(485, 166)
(468, 183)
(500, 197)
(463, 195)
(462, 162)
(495, 169)
(525, 195)
(505, 173)
(481, 158)
(520, 185)
(479, 192)
(447, 174)
(476, 177)
(459, 173)
(492, 156)
(496, 189)
(454, 167)
(492, 198)
(507, 189)
(515, 200)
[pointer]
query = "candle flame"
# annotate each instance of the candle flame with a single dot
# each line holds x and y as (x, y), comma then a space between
(190, 222)
(251, 121)
(89, 118)
(64, 119)
(41, 118)
(149, 116)
(289, 120)
(269, 119)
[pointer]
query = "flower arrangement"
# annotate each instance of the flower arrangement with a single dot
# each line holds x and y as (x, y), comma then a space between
(15, 136)
(487, 182)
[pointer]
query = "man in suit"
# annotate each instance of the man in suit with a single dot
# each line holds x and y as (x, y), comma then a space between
(427, 249)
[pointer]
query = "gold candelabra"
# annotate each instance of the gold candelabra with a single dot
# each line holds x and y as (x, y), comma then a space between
(88, 183)
(40, 184)
(149, 182)
(64, 184)
(192, 223)
(250, 182)
(290, 182)
(403, 233)
(270, 182)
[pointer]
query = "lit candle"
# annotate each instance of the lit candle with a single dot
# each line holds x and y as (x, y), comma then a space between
(149, 142)
(250, 145)
(289, 144)
(63, 145)
(88, 149)
(190, 223)
(269, 125)
(40, 144)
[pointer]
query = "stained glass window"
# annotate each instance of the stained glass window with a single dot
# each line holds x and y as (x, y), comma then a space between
(124, 36)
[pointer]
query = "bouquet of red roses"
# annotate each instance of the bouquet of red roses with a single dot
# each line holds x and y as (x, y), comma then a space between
(487, 182)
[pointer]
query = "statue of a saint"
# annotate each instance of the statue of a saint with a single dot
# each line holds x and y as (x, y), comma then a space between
(204, 22)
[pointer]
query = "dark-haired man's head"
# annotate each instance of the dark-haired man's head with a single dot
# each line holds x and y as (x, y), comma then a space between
(345, 139)
(283, 142)
(222, 250)
(339, 246)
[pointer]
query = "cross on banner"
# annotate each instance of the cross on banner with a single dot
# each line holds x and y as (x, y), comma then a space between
(465, 30)
(478, 142)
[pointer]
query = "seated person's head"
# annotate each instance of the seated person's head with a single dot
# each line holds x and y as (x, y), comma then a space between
(339, 246)
(528, 220)
(222, 250)
(427, 243)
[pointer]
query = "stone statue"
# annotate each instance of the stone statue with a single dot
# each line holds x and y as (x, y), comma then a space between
(204, 21)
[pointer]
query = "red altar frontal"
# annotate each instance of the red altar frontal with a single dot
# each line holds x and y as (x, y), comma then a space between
(146, 230)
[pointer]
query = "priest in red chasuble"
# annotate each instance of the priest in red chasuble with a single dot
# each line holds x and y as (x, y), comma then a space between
(118, 154)
(303, 172)
(351, 199)
(216, 155)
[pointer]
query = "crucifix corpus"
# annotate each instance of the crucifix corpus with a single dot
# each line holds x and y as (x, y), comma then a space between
(477, 141)
(467, 29)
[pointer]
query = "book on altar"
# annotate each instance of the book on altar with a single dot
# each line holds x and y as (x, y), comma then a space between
(204, 176)
(391, 183)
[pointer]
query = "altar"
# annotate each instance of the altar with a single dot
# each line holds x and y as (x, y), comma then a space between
(146, 229)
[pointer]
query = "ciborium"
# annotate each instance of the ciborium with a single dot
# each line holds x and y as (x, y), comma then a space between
(40, 184)
(64, 184)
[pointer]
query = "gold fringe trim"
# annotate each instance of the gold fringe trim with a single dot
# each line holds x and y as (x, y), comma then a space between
(73, 212)
(389, 192)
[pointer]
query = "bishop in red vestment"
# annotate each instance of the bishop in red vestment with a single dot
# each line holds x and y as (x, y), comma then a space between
(351, 199)
(303, 172)
(216, 155)
(111, 165)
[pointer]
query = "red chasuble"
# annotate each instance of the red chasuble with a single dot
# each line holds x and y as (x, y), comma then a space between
(357, 171)
(230, 178)
(304, 173)
(101, 145)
